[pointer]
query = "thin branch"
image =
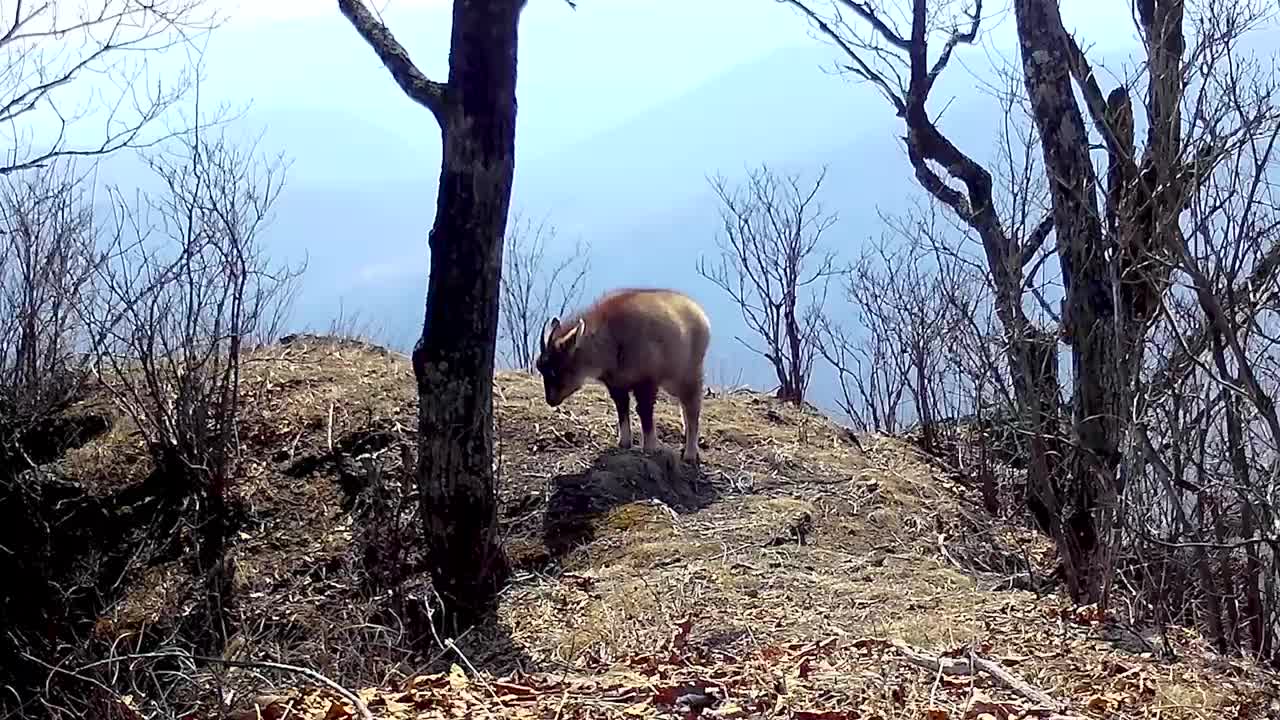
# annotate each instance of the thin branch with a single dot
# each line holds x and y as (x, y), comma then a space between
(973, 664)
(349, 696)
(426, 92)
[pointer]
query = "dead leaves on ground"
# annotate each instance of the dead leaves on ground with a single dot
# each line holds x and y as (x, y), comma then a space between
(836, 678)
(677, 680)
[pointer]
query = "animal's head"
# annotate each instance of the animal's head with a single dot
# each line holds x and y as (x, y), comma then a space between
(559, 361)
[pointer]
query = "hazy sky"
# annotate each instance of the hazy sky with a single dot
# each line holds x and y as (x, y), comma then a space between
(581, 71)
(624, 108)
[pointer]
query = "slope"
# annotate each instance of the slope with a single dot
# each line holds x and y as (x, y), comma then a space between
(799, 573)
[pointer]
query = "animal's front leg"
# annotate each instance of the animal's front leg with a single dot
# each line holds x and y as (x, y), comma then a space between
(622, 401)
(646, 397)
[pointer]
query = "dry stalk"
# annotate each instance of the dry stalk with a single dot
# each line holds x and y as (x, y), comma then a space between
(974, 664)
(329, 429)
(346, 694)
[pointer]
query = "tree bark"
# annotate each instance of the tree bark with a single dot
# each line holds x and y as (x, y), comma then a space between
(453, 361)
(1030, 350)
(1090, 318)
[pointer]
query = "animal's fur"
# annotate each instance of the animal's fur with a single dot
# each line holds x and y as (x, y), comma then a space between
(634, 341)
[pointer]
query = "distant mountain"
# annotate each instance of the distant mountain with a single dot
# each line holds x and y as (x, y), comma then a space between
(638, 192)
(361, 196)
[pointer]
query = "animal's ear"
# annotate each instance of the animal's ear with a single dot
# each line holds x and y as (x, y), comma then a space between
(548, 330)
(569, 339)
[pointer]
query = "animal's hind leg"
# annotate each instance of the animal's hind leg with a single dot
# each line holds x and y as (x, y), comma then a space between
(622, 401)
(690, 397)
(646, 397)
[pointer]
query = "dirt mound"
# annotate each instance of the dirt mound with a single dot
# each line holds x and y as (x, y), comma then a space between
(796, 572)
(578, 501)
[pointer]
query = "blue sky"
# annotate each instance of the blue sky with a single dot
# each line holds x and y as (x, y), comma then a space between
(625, 108)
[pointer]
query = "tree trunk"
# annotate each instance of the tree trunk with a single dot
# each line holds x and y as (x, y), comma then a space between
(1251, 580)
(1034, 361)
(1090, 317)
(454, 360)
(1213, 595)
(924, 408)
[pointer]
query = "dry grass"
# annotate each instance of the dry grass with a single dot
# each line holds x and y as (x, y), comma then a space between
(779, 573)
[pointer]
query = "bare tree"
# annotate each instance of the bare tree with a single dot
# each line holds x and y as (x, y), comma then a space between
(536, 287)
(353, 327)
(46, 260)
(1112, 233)
(76, 84)
(69, 65)
(65, 67)
(1180, 264)
(905, 309)
(872, 384)
(1207, 433)
(184, 288)
(773, 268)
(454, 359)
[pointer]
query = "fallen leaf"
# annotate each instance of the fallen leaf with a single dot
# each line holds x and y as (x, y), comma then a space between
(514, 690)
(270, 707)
(772, 652)
(338, 711)
(728, 710)
(697, 700)
(457, 678)
(395, 708)
(1098, 703)
(823, 715)
(638, 709)
(681, 635)
(871, 643)
(420, 681)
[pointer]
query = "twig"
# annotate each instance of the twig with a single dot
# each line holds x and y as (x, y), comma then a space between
(329, 431)
(474, 672)
(967, 666)
(942, 550)
(349, 696)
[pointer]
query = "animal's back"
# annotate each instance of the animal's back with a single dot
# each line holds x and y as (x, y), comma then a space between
(663, 332)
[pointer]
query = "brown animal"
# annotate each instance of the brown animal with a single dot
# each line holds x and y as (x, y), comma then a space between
(634, 341)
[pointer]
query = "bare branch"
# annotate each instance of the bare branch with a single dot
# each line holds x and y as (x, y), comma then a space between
(52, 49)
(860, 68)
(415, 84)
(769, 256)
(349, 696)
(536, 287)
(957, 38)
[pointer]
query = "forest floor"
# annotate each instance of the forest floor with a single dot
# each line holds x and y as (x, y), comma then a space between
(796, 573)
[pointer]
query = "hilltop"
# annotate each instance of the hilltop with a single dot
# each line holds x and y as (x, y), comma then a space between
(800, 572)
